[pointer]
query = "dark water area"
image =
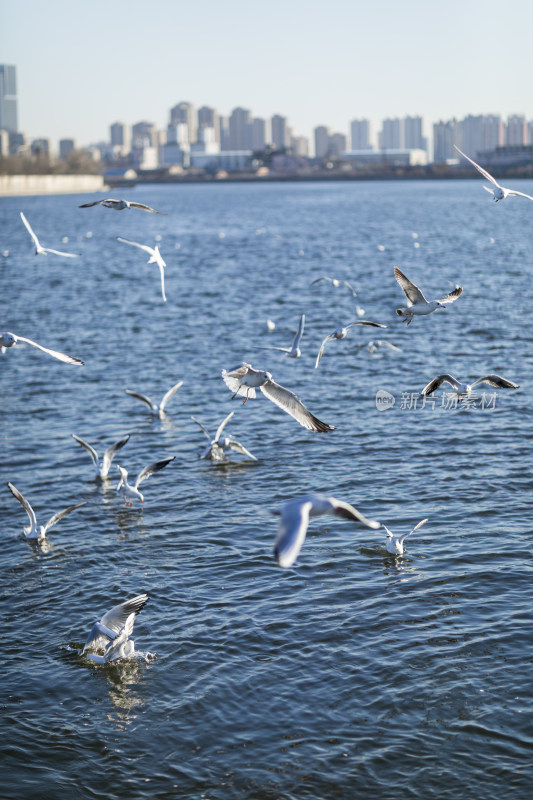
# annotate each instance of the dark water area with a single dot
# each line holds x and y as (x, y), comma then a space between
(353, 673)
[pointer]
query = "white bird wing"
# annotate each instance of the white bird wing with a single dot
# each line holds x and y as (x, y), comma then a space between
(240, 448)
(168, 395)
(30, 230)
(384, 343)
(497, 381)
(54, 353)
(411, 291)
(142, 397)
(317, 280)
(291, 404)
(201, 426)
(60, 514)
(157, 466)
(365, 322)
(328, 338)
(110, 454)
(144, 207)
(113, 621)
(405, 535)
(484, 172)
(292, 530)
(233, 378)
(350, 287)
(449, 298)
(145, 247)
(519, 194)
(299, 333)
(347, 511)
(61, 253)
(434, 384)
(222, 426)
(92, 452)
(96, 203)
(24, 503)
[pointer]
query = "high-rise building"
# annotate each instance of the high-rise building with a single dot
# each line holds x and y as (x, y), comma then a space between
(391, 136)
(120, 136)
(240, 129)
(279, 131)
(259, 137)
(484, 132)
(516, 130)
(337, 144)
(209, 118)
(322, 134)
(361, 134)
(185, 113)
(144, 134)
(8, 98)
(413, 133)
(445, 135)
(300, 145)
(66, 146)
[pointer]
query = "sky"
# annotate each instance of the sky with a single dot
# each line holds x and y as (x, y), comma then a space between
(83, 66)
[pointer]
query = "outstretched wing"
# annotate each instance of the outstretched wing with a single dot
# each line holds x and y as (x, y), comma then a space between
(299, 333)
(201, 426)
(411, 291)
(519, 194)
(449, 298)
(89, 205)
(54, 353)
(30, 230)
(60, 514)
(347, 511)
(291, 404)
(328, 338)
(239, 448)
(497, 381)
(24, 503)
(145, 247)
(144, 207)
(110, 453)
(113, 621)
(233, 378)
(484, 172)
(365, 322)
(92, 452)
(61, 253)
(223, 425)
(292, 530)
(157, 466)
(350, 287)
(405, 535)
(142, 397)
(168, 395)
(434, 384)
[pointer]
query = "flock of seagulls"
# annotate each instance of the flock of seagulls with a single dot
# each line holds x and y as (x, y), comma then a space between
(110, 638)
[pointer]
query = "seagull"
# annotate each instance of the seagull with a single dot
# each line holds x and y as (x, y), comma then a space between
(158, 410)
(464, 389)
(374, 345)
(244, 380)
(129, 491)
(102, 470)
(294, 520)
(120, 205)
(33, 530)
(336, 283)
(8, 339)
(294, 350)
(416, 302)
(499, 192)
(340, 333)
(39, 249)
(215, 448)
(270, 325)
(155, 258)
(111, 634)
(394, 544)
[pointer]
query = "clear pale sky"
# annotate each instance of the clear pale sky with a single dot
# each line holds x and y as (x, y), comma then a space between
(83, 65)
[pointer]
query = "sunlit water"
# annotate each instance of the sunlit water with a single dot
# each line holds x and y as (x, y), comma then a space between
(353, 673)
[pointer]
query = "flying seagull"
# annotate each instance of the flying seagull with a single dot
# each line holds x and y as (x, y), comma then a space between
(8, 339)
(336, 282)
(463, 389)
(33, 530)
(39, 249)
(376, 344)
(109, 637)
(120, 205)
(244, 380)
(394, 544)
(499, 192)
(129, 491)
(340, 333)
(102, 470)
(215, 448)
(294, 350)
(155, 258)
(416, 302)
(158, 410)
(294, 520)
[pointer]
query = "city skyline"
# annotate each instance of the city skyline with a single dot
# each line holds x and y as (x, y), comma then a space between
(133, 62)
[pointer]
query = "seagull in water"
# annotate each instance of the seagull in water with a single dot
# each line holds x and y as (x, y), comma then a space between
(499, 192)
(336, 283)
(111, 634)
(215, 448)
(376, 344)
(39, 249)
(33, 530)
(155, 258)
(340, 333)
(294, 350)
(8, 339)
(102, 470)
(129, 491)
(464, 389)
(416, 302)
(394, 544)
(245, 380)
(157, 410)
(120, 205)
(295, 517)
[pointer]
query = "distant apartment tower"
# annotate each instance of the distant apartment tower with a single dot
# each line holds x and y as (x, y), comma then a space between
(300, 145)
(258, 133)
(66, 146)
(144, 134)
(240, 129)
(483, 132)
(8, 98)
(445, 135)
(391, 136)
(322, 134)
(516, 130)
(337, 144)
(209, 118)
(120, 136)
(413, 133)
(224, 132)
(361, 134)
(185, 113)
(280, 132)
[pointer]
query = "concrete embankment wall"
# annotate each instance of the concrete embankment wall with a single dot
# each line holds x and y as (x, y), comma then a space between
(12, 185)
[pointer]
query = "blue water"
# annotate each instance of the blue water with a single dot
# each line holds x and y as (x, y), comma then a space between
(353, 673)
